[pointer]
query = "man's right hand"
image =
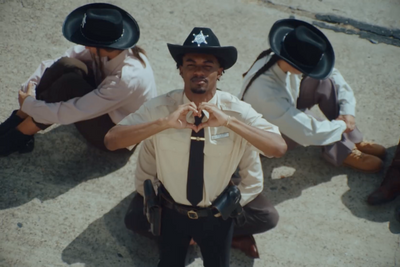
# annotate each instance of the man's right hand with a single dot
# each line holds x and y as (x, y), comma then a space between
(177, 119)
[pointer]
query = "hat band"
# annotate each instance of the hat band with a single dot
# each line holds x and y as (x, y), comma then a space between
(102, 42)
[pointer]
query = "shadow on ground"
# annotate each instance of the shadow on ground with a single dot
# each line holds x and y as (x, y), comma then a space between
(311, 170)
(61, 160)
(107, 243)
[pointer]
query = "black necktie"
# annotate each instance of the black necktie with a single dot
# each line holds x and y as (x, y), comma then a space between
(195, 182)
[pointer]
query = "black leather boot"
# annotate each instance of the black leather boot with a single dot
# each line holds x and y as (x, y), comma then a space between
(397, 213)
(10, 123)
(14, 141)
(390, 187)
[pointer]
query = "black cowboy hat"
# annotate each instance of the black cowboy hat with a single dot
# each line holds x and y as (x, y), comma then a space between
(101, 25)
(204, 41)
(303, 46)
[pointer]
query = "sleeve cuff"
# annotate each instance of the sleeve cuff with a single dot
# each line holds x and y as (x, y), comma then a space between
(342, 124)
(26, 106)
(347, 110)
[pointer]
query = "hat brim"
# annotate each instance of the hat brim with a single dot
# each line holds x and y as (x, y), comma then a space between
(278, 32)
(72, 32)
(227, 53)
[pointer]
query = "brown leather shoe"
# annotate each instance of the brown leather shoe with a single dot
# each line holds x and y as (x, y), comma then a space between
(247, 245)
(372, 149)
(389, 189)
(363, 162)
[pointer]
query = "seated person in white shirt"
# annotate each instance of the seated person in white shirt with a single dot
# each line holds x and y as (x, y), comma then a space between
(95, 85)
(297, 73)
(199, 136)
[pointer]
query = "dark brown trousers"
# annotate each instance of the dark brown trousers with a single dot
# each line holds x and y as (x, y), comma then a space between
(396, 159)
(66, 79)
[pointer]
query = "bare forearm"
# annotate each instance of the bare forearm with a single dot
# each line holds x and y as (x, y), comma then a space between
(270, 144)
(121, 136)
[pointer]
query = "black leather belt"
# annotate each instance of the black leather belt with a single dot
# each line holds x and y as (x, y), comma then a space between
(191, 212)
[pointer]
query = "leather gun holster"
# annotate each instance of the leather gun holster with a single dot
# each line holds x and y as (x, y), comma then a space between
(152, 208)
(228, 204)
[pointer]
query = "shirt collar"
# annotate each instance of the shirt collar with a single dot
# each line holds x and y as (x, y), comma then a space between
(111, 65)
(279, 73)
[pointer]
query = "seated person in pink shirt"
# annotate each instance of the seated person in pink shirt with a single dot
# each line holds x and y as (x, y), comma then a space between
(95, 85)
(294, 75)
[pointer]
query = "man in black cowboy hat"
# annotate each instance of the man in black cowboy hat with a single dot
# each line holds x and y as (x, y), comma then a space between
(95, 85)
(198, 136)
(297, 73)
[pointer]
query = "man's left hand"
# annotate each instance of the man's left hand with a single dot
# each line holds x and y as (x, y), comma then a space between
(23, 95)
(350, 122)
(217, 117)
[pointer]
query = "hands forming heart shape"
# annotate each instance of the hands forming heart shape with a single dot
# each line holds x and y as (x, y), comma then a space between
(177, 119)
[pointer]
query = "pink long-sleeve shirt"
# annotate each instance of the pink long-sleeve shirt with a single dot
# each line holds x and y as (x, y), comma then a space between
(128, 84)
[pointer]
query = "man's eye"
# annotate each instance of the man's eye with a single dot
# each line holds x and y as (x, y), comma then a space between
(207, 68)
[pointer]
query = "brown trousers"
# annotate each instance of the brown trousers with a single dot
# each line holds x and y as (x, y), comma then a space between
(66, 79)
(324, 94)
(396, 160)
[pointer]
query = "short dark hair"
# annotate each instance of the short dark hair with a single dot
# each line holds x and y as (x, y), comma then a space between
(180, 61)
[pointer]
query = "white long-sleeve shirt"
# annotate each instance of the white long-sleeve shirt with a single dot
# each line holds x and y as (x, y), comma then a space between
(274, 94)
(250, 171)
(224, 150)
(128, 84)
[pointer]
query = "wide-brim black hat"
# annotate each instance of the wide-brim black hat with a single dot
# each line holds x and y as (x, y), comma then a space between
(303, 46)
(101, 25)
(204, 41)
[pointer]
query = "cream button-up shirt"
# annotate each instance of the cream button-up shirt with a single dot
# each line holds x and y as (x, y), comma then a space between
(224, 150)
(274, 94)
(127, 85)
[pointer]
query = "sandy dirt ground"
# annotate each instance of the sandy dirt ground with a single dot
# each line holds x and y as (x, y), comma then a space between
(64, 203)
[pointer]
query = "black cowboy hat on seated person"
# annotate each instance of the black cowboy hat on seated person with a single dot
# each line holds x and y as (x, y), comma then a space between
(101, 25)
(204, 41)
(303, 46)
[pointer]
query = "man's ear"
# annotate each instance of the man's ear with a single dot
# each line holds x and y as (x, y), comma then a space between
(220, 72)
(180, 70)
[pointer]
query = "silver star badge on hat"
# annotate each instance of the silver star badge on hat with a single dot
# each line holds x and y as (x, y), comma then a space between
(200, 38)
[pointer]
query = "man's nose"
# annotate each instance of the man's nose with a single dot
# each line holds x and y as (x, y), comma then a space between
(198, 69)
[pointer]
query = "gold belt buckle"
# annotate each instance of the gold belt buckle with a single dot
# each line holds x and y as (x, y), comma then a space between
(192, 215)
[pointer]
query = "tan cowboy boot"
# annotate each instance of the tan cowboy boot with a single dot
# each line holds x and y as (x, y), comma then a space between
(372, 149)
(363, 162)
